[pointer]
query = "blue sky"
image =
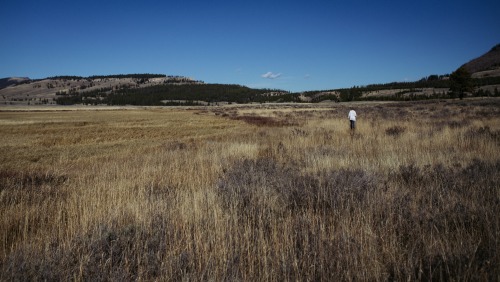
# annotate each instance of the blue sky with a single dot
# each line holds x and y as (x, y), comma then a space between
(290, 45)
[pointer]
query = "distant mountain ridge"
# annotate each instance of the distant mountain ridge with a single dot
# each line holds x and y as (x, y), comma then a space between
(160, 89)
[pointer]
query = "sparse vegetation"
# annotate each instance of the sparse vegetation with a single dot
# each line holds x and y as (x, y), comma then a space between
(252, 193)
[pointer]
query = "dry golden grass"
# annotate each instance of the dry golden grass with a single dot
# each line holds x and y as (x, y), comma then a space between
(267, 192)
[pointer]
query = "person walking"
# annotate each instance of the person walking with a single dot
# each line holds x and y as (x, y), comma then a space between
(352, 119)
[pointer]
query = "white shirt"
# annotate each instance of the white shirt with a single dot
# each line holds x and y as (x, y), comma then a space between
(352, 115)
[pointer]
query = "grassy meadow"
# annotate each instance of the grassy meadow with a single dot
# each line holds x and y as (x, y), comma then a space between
(252, 193)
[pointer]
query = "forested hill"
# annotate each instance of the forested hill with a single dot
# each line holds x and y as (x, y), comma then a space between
(184, 94)
(177, 90)
(479, 77)
(432, 87)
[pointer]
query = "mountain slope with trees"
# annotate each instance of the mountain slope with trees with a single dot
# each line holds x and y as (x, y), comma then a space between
(185, 94)
(478, 77)
(487, 62)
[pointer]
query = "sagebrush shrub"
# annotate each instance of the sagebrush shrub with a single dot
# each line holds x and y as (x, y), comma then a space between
(395, 130)
(250, 180)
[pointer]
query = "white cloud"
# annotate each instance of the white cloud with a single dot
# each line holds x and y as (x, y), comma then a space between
(271, 75)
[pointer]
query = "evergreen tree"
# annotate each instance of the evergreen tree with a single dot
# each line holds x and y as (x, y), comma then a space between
(461, 82)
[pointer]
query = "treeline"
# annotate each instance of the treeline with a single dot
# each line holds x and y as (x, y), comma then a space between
(432, 81)
(187, 94)
(193, 93)
(355, 93)
(494, 80)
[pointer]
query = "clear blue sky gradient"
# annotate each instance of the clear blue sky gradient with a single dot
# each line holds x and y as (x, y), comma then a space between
(289, 45)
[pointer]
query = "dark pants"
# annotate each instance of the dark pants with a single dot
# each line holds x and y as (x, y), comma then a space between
(353, 124)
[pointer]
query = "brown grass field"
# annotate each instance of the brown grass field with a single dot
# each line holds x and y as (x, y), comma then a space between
(252, 193)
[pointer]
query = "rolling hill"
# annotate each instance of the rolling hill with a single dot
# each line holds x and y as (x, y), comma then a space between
(10, 81)
(152, 89)
(485, 65)
(46, 91)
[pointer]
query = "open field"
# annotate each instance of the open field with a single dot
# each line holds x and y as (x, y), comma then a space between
(260, 192)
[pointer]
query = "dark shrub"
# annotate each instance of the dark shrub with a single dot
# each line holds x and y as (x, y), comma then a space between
(249, 184)
(265, 121)
(395, 130)
(110, 254)
(251, 181)
(484, 132)
(451, 205)
(458, 124)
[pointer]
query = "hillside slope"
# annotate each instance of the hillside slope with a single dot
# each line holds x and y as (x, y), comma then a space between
(147, 89)
(10, 81)
(45, 91)
(485, 65)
